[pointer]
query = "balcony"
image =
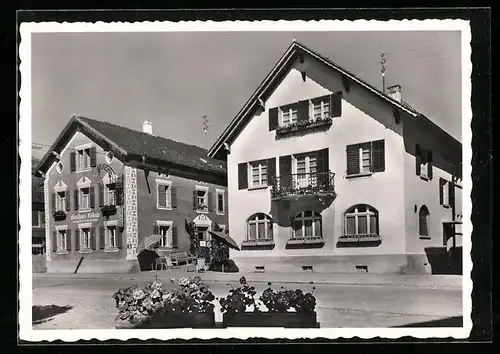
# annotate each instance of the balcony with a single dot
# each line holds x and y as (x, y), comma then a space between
(303, 126)
(108, 210)
(299, 184)
(59, 215)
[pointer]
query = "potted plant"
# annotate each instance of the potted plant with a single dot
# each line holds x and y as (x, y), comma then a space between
(59, 215)
(108, 210)
(188, 305)
(282, 308)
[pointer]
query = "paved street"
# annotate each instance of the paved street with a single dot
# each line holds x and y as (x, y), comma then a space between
(86, 303)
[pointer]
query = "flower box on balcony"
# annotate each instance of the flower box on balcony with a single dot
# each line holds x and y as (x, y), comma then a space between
(108, 210)
(258, 242)
(59, 215)
(303, 125)
(270, 319)
(306, 240)
(172, 320)
(359, 238)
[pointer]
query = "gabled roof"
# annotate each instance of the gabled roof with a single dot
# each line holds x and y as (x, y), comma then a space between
(274, 78)
(133, 145)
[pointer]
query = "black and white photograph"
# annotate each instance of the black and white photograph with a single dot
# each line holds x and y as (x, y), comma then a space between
(227, 179)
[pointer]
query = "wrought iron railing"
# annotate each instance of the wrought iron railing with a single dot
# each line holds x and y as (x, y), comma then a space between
(302, 184)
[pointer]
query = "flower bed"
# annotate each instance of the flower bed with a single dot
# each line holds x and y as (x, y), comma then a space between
(274, 308)
(188, 305)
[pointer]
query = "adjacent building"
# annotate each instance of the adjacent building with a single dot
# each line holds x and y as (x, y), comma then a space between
(107, 187)
(327, 173)
(37, 213)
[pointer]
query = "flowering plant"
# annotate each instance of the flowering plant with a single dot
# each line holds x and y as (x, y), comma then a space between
(191, 295)
(243, 299)
(135, 304)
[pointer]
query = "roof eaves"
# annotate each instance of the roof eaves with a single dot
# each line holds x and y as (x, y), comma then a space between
(101, 135)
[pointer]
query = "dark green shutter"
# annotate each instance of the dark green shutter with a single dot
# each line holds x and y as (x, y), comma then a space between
(54, 241)
(92, 238)
(77, 239)
(72, 161)
(285, 171)
(101, 195)
(442, 182)
(271, 171)
(68, 239)
(162, 195)
(352, 159)
(210, 201)
(174, 236)
(336, 104)
(195, 199)
(173, 196)
(119, 190)
(303, 110)
(273, 118)
(243, 175)
(156, 229)
(93, 157)
(322, 161)
(102, 237)
(68, 200)
(418, 160)
(119, 238)
(451, 194)
(75, 200)
(92, 197)
(377, 156)
(429, 164)
(53, 202)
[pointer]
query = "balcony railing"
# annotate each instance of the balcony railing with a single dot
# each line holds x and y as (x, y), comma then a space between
(302, 184)
(303, 125)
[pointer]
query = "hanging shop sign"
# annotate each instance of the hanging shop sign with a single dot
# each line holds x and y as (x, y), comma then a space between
(87, 217)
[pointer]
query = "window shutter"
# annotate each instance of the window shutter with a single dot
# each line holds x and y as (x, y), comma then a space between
(78, 242)
(174, 236)
(273, 118)
(53, 202)
(92, 238)
(285, 171)
(243, 175)
(352, 159)
(156, 229)
(54, 241)
(68, 200)
(75, 200)
(173, 197)
(119, 190)
(101, 195)
(195, 200)
(336, 104)
(417, 159)
(451, 193)
(119, 238)
(303, 110)
(92, 197)
(102, 237)
(429, 164)
(271, 171)
(72, 161)
(162, 195)
(210, 201)
(441, 184)
(378, 156)
(93, 159)
(322, 160)
(68, 240)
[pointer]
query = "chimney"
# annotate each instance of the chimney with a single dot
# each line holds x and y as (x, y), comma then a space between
(394, 92)
(147, 127)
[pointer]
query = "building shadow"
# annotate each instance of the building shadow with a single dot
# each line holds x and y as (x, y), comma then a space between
(456, 321)
(443, 261)
(41, 314)
(229, 267)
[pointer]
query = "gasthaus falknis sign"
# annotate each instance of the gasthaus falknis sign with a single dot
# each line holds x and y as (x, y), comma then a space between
(92, 216)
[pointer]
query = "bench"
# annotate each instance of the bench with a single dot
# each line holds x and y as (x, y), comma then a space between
(181, 257)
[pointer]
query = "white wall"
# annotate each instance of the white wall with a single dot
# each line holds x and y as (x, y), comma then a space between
(383, 190)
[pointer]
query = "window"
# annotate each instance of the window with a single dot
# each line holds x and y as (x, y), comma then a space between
(86, 238)
(365, 158)
(166, 240)
(61, 201)
(289, 114)
(109, 157)
(37, 218)
(59, 167)
(62, 241)
(84, 198)
(444, 192)
(259, 173)
(307, 224)
(423, 162)
(111, 236)
(83, 159)
(361, 219)
(260, 227)
(221, 207)
(321, 108)
(110, 194)
(423, 222)
(201, 200)
(164, 194)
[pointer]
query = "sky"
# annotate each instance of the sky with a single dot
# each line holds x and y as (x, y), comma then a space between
(173, 79)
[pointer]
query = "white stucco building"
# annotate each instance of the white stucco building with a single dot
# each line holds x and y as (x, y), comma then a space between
(326, 173)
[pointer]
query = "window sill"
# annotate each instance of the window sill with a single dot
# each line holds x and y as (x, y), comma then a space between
(62, 252)
(301, 241)
(424, 178)
(111, 249)
(221, 213)
(257, 242)
(359, 238)
(424, 237)
(84, 210)
(362, 174)
(447, 206)
(86, 250)
(199, 211)
(257, 188)
(163, 207)
(86, 170)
